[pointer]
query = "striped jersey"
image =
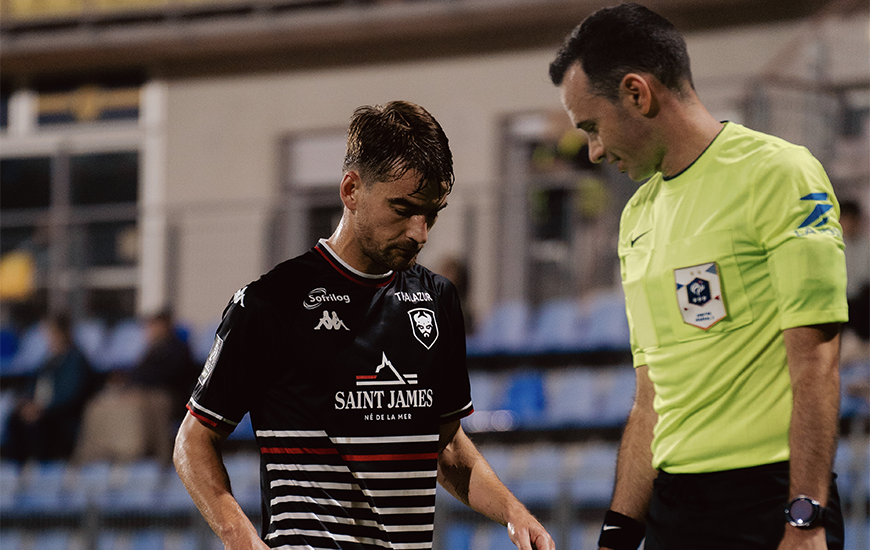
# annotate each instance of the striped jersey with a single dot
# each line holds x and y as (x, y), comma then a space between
(348, 378)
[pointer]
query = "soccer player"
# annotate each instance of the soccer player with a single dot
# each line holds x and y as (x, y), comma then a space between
(351, 362)
(733, 271)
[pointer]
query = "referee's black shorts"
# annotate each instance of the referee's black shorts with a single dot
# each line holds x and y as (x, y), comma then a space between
(731, 510)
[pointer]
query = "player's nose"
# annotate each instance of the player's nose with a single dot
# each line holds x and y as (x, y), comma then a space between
(418, 229)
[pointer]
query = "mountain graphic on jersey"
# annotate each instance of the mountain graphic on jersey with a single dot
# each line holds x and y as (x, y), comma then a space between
(385, 375)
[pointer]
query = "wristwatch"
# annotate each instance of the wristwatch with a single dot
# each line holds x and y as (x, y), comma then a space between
(804, 512)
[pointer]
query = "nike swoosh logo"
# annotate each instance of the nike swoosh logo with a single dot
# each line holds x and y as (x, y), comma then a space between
(610, 527)
(634, 240)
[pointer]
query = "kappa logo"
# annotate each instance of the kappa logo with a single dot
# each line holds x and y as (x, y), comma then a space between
(385, 375)
(239, 296)
(424, 326)
(330, 321)
(319, 296)
(817, 217)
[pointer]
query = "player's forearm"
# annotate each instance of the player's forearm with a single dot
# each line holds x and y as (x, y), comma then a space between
(198, 462)
(813, 356)
(466, 474)
(634, 471)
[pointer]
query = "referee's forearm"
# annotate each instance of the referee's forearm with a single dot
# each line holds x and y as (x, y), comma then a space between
(813, 357)
(634, 471)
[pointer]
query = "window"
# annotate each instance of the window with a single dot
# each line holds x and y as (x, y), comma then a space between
(559, 215)
(310, 207)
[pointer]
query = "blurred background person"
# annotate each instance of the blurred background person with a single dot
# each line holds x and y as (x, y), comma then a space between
(45, 422)
(152, 394)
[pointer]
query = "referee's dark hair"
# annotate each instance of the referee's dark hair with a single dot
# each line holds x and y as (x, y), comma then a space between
(385, 142)
(613, 42)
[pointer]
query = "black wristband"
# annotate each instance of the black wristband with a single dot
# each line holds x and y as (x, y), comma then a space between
(621, 532)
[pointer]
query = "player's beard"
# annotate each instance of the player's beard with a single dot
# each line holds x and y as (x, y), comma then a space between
(388, 256)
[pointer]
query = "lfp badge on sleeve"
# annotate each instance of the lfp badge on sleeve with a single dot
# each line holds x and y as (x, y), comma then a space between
(699, 295)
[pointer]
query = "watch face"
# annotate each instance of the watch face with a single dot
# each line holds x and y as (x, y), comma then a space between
(802, 511)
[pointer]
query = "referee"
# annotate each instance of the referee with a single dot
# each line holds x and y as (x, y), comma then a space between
(734, 277)
(351, 362)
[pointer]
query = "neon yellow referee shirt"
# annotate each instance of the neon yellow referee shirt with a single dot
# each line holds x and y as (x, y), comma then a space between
(715, 263)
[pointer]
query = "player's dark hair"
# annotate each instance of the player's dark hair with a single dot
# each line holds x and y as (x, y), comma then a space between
(613, 42)
(385, 142)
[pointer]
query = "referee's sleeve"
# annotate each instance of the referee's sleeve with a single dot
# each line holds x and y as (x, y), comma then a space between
(798, 225)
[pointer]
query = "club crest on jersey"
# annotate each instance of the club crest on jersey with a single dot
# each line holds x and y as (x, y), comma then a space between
(424, 326)
(385, 375)
(699, 294)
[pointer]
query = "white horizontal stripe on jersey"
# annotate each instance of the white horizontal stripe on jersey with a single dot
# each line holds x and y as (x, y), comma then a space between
(386, 439)
(297, 547)
(315, 484)
(291, 433)
(349, 538)
(351, 521)
(395, 475)
(398, 510)
(345, 469)
(199, 407)
(352, 487)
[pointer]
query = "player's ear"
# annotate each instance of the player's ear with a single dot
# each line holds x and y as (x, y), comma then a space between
(637, 91)
(351, 185)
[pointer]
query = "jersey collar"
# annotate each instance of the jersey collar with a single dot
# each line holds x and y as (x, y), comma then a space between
(348, 272)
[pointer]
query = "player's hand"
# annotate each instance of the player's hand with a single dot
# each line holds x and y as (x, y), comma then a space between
(800, 539)
(528, 534)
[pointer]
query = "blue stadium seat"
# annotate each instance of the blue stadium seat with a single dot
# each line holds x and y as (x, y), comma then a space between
(540, 481)
(244, 471)
(32, 351)
(560, 327)
(459, 536)
(10, 474)
(136, 489)
(504, 331)
(525, 397)
(90, 337)
(608, 325)
(125, 345)
(42, 490)
(56, 539)
(617, 390)
(571, 398)
(593, 485)
(11, 539)
(8, 344)
(90, 485)
(485, 390)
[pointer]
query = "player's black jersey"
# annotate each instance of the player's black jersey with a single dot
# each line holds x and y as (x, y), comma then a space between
(347, 378)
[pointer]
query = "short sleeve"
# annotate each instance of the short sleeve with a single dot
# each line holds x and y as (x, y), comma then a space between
(227, 386)
(797, 224)
(455, 386)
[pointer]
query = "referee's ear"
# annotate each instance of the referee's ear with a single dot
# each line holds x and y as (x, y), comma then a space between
(349, 189)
